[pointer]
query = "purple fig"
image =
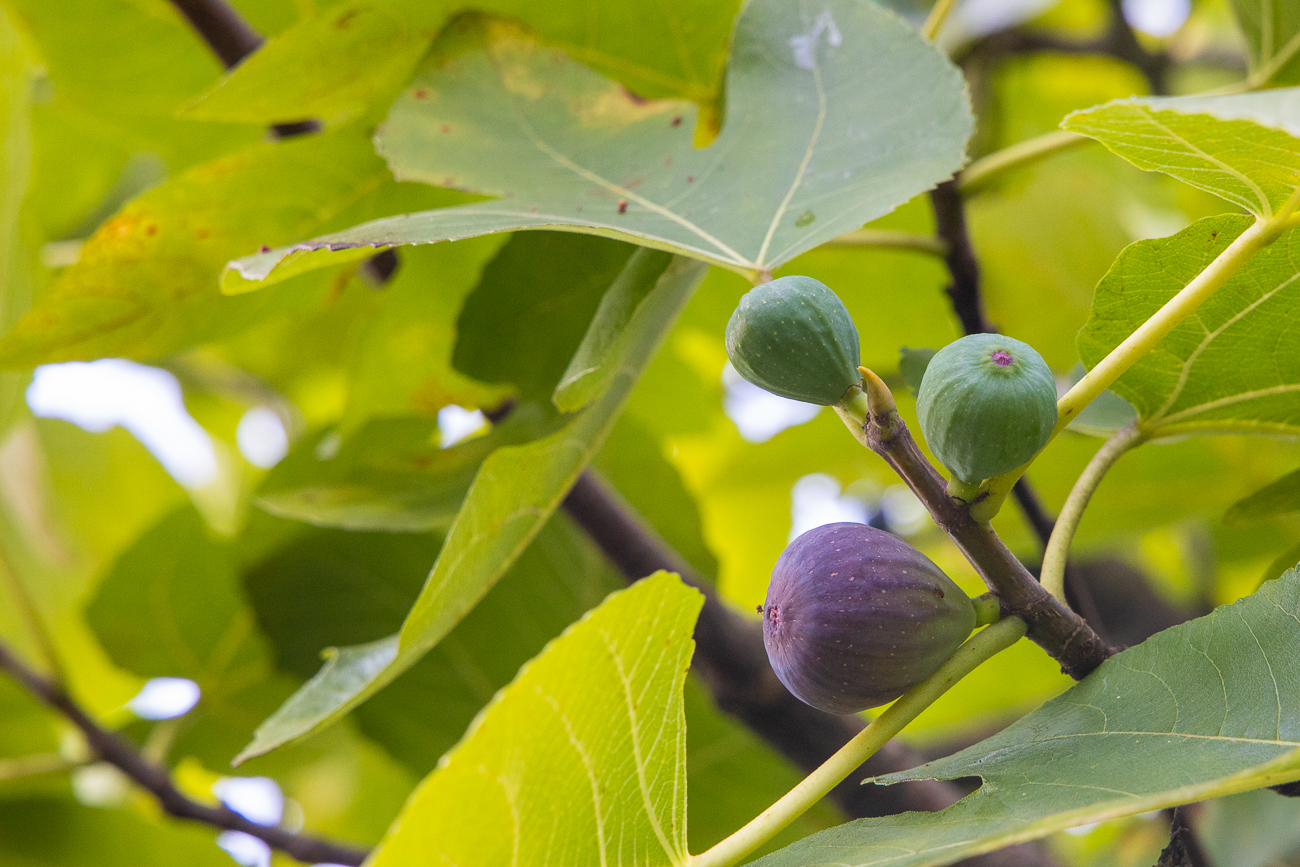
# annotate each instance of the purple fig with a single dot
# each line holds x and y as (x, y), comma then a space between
(855, 617)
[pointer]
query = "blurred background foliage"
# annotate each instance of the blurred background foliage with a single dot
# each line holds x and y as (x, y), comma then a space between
(139, 576)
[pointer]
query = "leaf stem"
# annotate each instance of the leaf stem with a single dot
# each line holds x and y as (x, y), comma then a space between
(981, 647)
(1067, 522)
(1260, 234)
(981, 173)
(888, 239)
(934, 21)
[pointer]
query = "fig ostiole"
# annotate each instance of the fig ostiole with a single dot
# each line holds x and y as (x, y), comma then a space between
(794, 337)
(987, 405)
(855, 617)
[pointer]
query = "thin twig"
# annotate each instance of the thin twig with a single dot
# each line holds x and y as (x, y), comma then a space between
(232, 39)
(959, 255)
(122, 755)
(225, 31)
(1119, 41)
(1124, 44)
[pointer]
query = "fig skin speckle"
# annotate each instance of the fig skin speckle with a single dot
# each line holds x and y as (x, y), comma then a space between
(855, 617)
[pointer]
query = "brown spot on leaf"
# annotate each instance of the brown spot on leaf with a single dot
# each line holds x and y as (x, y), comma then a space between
(445, 128)
(201, 234)
(151, 229)
(622, 206)
(677, 121)
(420, 93)
(264, 249)
(690, 179)
(345, 19)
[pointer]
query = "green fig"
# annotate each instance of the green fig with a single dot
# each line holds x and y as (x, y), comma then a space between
(987, 404)
(794, 337)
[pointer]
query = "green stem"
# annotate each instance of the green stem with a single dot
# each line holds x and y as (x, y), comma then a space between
(982, 646)
(35, 766)
(934, 21)
(32, 622)
(1175, 310)
(1262, 233)
(988, 609)
(979, 174)
(889, 239)
(1058, 546)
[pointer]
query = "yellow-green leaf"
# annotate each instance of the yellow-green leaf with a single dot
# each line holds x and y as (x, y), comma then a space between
(581, 760)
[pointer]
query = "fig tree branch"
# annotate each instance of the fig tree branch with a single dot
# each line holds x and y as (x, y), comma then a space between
(1118, 41)
(155, 779)
(1052, 625)
(232, 39)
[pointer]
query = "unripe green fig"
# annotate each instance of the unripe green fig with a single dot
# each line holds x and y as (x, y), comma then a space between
(794, 337)
(987, 404)
(855, 617)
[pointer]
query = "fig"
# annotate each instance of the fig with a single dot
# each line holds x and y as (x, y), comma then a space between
(987, 404)
(794, 337)
(855, 617)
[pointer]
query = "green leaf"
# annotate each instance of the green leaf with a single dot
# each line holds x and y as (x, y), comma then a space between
(403, 361)
(1272, 32)
(1107, 413)
(1232, 366)
(582, 759)
(516, 489)
(912, 364)
(391, 475)
(1243, 148)
(146, 281)
(587, 375)
(1279, 498)
(1253, 829)
(362, 51)
(634, 462)
(806, 152)
(52, 832)
(564, 278)
(126, 57)
(1207, 708)
(334, 587)
(17, 81)
(185, 585)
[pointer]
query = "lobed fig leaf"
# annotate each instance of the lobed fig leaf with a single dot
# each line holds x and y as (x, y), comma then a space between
(855, 617)
(794, 337)
(987, 404)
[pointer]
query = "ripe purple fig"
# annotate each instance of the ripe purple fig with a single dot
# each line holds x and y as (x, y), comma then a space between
(855, 617)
